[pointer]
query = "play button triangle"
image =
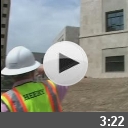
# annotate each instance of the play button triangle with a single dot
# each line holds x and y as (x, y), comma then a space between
(66, 63)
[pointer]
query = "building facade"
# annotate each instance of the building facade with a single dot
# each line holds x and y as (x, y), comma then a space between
(104, 37)
(69, 33)
(39, 56)
(5, 11)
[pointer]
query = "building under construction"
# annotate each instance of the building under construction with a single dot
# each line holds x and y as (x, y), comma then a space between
(5, 11)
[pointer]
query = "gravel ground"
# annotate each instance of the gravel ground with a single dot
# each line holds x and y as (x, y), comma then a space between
(109, 95)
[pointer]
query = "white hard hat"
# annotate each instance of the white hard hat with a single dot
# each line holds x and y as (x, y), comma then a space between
(19, 60)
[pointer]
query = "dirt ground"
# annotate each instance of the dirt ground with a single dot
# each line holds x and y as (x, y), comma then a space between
(91, 95)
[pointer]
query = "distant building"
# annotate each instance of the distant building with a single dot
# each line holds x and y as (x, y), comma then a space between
(104, 37)
(69, 33)
(39, 56)
(5, 11)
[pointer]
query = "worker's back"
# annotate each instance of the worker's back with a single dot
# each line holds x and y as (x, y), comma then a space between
(30, 96)
(33, 97)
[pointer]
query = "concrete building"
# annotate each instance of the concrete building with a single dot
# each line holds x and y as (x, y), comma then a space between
(69, 33)
(104, 37)
(39, 56)
(5, 11)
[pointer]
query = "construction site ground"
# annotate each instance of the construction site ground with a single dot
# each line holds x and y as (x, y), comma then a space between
(93, 95)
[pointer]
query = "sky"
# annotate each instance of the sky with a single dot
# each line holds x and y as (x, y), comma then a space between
(36, 23)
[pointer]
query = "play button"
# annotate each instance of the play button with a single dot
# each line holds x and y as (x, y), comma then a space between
(65, 63)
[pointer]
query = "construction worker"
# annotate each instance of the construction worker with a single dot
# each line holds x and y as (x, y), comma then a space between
(26, 94)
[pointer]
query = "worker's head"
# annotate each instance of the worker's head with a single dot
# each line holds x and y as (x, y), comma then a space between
(20, 63)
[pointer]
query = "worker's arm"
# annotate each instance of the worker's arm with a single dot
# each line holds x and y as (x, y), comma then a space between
(4, 108)
(62, 90)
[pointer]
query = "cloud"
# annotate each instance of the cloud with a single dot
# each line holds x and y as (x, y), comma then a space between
(35, 23)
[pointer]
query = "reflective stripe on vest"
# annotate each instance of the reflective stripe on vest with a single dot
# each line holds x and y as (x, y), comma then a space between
(16, 103)
(20, 102)
(57, 96)
(56, 107)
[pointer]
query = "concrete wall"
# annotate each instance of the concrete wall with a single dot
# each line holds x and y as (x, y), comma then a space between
(98, 43)
(72, 34)
(93, 47)
(61, 36)
(69, 33)
(91, 17)
(39, 56)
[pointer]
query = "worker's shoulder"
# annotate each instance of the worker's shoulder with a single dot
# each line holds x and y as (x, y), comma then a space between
(6, 92)
(48, 81)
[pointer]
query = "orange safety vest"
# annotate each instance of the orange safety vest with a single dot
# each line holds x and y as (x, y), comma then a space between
(47, 94)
